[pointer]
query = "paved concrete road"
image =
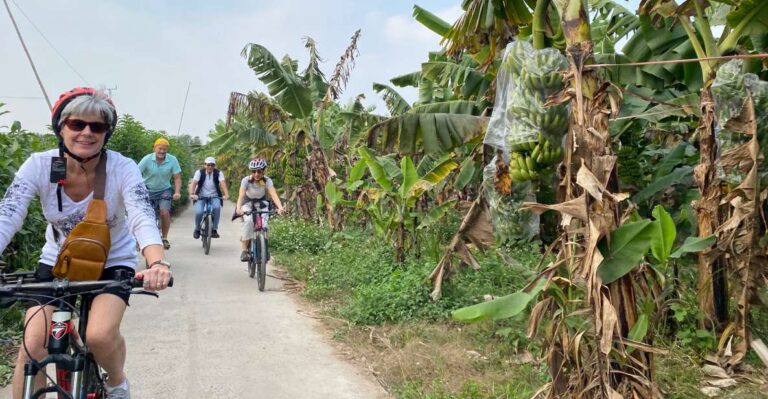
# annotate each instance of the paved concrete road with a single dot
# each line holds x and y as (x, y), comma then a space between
(214, 335)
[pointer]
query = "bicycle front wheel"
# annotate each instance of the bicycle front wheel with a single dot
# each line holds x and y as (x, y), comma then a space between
(207, 234)
(93, 381)
(252, 259)
(262, 261)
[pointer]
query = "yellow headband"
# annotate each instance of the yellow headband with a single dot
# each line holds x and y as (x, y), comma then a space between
(161, 141)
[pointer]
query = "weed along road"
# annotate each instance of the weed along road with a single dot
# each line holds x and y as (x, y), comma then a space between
(214, 335)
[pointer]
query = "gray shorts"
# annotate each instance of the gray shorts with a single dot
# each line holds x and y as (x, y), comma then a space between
(163, 198)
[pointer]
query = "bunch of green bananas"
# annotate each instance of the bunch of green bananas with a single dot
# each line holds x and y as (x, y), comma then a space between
(293, 176)
(553, 122)
(522, 168)
(515, 56)
(548, 82)
(528, 159)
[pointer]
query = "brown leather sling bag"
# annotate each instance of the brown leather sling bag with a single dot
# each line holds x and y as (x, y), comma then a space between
(85, 251)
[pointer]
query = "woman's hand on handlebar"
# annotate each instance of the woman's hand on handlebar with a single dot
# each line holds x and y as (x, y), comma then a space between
(156, 278)
(280, 211)
(239, 210)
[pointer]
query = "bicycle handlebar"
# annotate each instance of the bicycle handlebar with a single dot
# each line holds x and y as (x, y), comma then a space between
(270, 212)
(63, 286)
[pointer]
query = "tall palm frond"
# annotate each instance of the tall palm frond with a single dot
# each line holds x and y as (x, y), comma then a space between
(491, 23)
(312, 75)
(463, 78)
(431, 21)
(343, 68)
(259, 107)
(427, 132)
(395, 103)
(283, 84)
(408, 80)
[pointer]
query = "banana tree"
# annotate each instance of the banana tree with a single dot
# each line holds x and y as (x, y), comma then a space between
(305, 96)
(392, 203)
(744, 27)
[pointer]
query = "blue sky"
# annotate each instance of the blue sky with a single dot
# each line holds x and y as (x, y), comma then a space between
(151, 50)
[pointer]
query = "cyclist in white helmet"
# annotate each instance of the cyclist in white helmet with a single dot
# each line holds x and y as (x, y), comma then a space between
(256, 189)
(208, 182)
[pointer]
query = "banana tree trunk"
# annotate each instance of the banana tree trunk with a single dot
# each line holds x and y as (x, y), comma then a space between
(320, 175)
(711, 277)
(400, 250)
(592, 369)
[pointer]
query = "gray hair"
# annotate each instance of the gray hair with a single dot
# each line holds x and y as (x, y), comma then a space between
(96, 104)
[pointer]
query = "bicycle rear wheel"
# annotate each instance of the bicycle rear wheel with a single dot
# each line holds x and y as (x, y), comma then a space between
(252, 260)
(262, 271)
(207, 233)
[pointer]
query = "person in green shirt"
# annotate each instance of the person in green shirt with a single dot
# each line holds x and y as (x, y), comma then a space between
(157, 169)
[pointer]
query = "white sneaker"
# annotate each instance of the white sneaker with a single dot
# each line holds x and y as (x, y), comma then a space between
(122, 391)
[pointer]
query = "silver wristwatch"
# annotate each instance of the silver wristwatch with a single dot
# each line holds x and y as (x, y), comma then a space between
(160, 262)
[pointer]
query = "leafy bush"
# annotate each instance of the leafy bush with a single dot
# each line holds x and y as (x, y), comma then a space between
(402, 295)
(16, 145)
(289, 235)
(360, 274)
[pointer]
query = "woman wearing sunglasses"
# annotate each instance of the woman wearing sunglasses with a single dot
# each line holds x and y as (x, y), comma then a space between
(83, 119)
(255, 189)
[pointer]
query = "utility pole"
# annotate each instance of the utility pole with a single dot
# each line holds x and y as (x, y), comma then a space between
(178, 132)
(37, 76)
(109, 89)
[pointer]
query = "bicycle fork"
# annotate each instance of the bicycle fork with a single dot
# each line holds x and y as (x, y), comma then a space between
(69, 370)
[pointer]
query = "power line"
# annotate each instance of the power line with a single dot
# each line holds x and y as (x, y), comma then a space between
(183, 107)
(29, 57)
(50, 44)
(23, 97)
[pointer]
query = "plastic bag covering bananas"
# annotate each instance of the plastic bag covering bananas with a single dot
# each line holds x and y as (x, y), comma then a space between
(729, 91)
(537, 74)
(526, 79)
(510, 223)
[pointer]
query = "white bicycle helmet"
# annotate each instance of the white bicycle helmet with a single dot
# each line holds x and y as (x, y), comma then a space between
(210, 160)
(257, 163)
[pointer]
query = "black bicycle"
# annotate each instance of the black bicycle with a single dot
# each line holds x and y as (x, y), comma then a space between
(77, 374)
(258, 256)
(206, 224)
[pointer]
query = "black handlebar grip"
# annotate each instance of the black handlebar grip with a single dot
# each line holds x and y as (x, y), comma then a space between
(138, 283)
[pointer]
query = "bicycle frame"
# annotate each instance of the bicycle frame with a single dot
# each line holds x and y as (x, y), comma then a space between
(257, 261)
(156, 207)
(69, 377)
(208, 210)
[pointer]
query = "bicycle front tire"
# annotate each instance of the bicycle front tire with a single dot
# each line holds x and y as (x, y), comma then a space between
(94, 379)
(207, 234)
(262, 272)
(252, 260)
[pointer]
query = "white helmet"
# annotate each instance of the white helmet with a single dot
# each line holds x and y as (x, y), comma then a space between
(210, 160)
(257, 163)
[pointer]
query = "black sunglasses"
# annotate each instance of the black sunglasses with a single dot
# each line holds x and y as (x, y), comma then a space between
(257, 170)
(210, 164)
(79, 125)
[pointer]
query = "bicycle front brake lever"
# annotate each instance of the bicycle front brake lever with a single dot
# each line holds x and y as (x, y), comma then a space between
(144, 292)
